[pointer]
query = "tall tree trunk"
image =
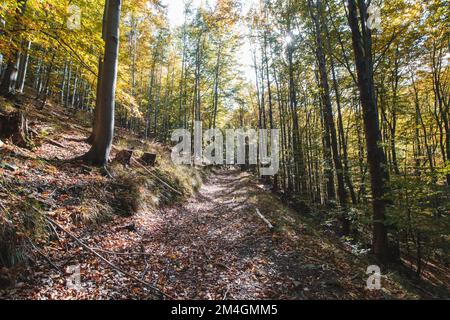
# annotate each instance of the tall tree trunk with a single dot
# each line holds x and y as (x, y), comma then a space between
(96, 119)
(216, 86)
(327, 152)
(104, 129)
(328, 114)
(69, 76)
(343, 139)
(63, 83)
(182, 93)
(362, 47)
(269, 91)
(299, 165)
(282, 120)
(10, 77)
(23, 68)
(98, 99)
(441, 106)
(44, 94)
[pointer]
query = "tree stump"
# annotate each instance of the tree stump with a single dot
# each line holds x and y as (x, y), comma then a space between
(148, 159)
(14, 126)
(123, 157)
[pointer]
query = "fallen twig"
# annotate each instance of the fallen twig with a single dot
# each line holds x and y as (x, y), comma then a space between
(44, 256)
(85, 246)
(144, 273)
(107, 172)
(109, 263)
(158, 178)
(226, 293)
(56, 234)
(3, 207)
(264, 219)
(55, 143)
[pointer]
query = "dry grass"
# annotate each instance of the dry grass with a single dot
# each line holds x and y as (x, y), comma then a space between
(73, 193)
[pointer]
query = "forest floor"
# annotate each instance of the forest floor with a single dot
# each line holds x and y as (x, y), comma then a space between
(211, 245)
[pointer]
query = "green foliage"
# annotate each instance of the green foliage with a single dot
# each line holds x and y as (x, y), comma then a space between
(420, 218)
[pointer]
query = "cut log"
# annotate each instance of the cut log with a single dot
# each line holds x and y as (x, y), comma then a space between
(123, 157)
(14, 126)
(148, 159)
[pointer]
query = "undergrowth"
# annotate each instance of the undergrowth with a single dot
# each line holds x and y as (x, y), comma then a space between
(74, 193)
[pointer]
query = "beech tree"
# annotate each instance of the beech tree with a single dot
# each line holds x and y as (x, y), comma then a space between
(104, 126)
(362, 46)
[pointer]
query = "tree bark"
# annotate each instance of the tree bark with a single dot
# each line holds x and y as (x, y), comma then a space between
(104, 129)
(23, 68)
(96, 119)
(343, 139)
(362, 47)
(328, 114)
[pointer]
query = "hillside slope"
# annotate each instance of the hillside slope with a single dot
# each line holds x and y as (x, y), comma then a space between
(132, 235)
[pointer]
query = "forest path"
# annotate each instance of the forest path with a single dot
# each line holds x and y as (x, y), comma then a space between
(213, 246)
(232, 253)
(216, 246)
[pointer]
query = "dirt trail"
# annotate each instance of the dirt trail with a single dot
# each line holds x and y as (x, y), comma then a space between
(232, 252)
(214, 246)
(227, 251)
